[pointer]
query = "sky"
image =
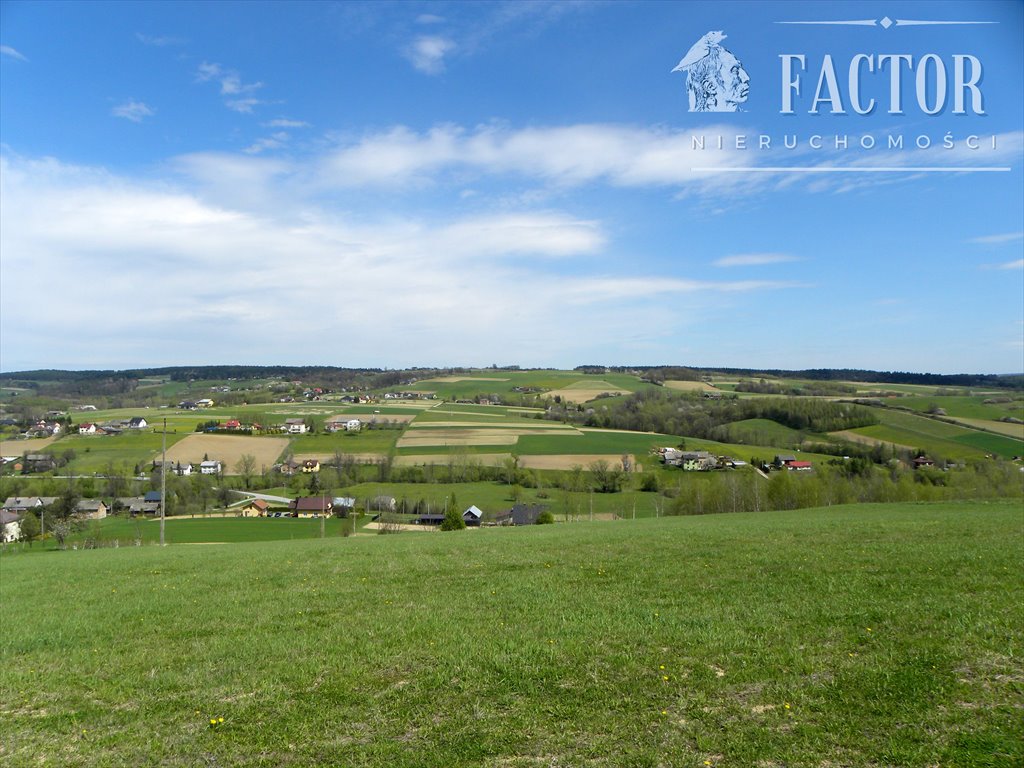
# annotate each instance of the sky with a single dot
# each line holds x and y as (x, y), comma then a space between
(514, 183)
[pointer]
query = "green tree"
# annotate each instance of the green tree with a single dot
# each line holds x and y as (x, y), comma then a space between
(452, 519)
(29, 528)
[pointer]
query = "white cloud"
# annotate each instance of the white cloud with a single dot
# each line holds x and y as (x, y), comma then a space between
(1018, 264)
(428, 18)
(753, 259)
(283, 122)
(1008, 237)
(245, 106)
(274, 141)
(6, 50)
(562, 155)
(438, 290)
(135, 111)
(231, 84)
(427, 53)
(159, 41)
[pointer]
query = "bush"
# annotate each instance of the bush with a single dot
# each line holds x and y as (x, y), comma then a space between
(452, 520)
(546, 517)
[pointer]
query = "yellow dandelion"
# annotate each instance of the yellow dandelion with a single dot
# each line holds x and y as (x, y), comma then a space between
(213, 721)
(220, 719)
(665, 678)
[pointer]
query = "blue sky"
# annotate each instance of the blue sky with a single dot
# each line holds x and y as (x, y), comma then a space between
(399, 184)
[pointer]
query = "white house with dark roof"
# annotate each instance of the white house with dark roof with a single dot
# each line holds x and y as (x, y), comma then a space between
(10, 526)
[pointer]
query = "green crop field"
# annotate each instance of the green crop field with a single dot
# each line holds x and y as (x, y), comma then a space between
(885, 635)
(973, 407)
(203, 530)
(504, 382)
(937, 437)
(363, 441)
(94, 453)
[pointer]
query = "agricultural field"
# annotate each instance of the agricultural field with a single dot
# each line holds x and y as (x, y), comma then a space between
(505, 382)
(938, 437)
(31, 445)
(584, 391)
(206, 529)
(324, 445)
(804, 638)
(228, 449)
(96, 453)
(764, 432)
(691, 386)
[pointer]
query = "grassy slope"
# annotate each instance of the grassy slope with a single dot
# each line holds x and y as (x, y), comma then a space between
(884, 635)
(938, 437)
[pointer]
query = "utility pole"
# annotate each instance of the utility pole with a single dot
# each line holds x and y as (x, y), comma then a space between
(163, 484)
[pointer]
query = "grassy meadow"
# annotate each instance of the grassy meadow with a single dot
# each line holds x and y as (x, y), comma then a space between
(882, 635)
(938, 437)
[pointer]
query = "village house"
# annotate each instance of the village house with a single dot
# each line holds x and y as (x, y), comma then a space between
(182, 470)
(87, 429)
(697, 461)
(92, 509)
(21, 504)
(137, 422)
(210, 467)
(10, 526)
(311, 506)
(295, 426)
(38, 462)
(255, 508)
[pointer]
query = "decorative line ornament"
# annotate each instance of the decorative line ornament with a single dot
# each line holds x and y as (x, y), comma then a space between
(885, 22)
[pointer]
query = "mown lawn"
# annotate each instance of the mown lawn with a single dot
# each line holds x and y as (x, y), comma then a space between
(886, 635)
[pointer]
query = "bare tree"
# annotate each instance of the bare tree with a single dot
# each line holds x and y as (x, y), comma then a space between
(246, 467)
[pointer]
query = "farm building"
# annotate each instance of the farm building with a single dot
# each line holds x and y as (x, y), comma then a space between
(697, 461)
(521, 514)
(92, 509)
(38, 462)
(473, 516)
(310, 506)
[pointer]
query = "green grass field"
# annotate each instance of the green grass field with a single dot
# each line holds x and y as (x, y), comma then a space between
(937, 437)
(764, 432)
(886, 635)
(973, 407)
(504, 382)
